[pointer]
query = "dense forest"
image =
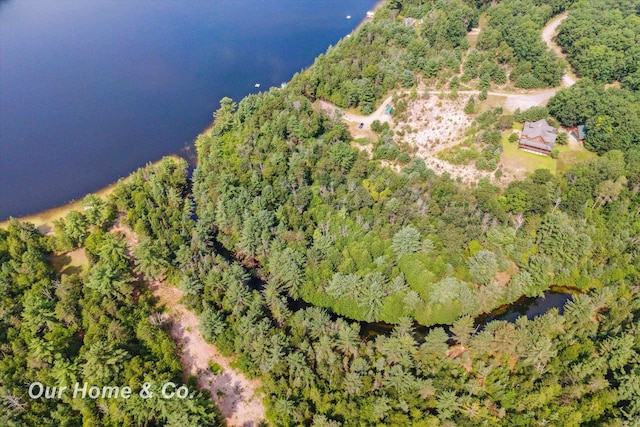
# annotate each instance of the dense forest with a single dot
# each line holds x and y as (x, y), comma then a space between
(602, 39)
(97, 326)
(288, 237)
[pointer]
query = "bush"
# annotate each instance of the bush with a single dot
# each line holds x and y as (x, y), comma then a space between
(500, 76)
(407, 79)
(528, 81)
(504, 122)
(513, 138)
(470, 108)
(386, 152)
(562, 139)
(554, 153)
(404, 158)
(214, 367)
(533, 114)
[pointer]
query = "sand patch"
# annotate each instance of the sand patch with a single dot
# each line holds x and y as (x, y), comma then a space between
(70, 262)
(239, 398)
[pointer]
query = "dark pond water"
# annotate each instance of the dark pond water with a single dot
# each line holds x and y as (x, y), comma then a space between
(91, 90)
(529, 307)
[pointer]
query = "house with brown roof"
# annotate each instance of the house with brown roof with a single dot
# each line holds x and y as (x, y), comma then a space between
(538, 137)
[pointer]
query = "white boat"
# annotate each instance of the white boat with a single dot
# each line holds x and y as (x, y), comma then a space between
(257, 84)
(348, 16)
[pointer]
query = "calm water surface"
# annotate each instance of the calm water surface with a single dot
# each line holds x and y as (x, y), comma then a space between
(91, 90)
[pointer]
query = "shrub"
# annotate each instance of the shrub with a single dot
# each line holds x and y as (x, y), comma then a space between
(563, 138)
(404, 158)
(528, 81)
(470, 108)
(533, 114)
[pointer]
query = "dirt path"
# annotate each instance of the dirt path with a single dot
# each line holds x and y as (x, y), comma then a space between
(548, 32)
(379, 114)
(512, 102)
(238, 398)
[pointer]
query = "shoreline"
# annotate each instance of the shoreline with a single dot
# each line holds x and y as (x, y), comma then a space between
(364, 20)
(43, 220)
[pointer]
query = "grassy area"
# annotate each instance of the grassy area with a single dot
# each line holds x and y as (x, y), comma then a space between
(517, 126)
(571, 157)
(515, 157)
(518, 158)
(70, 262)
(491, 102)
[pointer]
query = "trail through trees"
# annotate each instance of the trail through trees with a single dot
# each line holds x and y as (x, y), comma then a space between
(238, 397)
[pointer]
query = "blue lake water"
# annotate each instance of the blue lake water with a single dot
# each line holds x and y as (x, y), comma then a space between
(91, 90)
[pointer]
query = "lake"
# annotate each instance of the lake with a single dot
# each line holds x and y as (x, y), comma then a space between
(92, 90)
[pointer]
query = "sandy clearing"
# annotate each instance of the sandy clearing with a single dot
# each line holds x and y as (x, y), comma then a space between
(239, 398)
(70, 262)
(437, 124)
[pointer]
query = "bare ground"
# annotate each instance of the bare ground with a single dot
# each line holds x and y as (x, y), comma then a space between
(548, 33)
(434, 124)
(239, 398)
(439, 124)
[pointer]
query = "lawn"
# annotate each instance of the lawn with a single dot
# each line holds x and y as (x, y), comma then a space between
(571, 157)
(521, 159)
(517, 158)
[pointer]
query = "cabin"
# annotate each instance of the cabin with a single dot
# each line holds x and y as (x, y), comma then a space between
(579, 132)
(538, 137)
(388, 110)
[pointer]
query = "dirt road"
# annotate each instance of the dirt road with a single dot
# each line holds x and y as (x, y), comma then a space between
(379, 114)
(512, 102)
(548, 32)
(238, 398)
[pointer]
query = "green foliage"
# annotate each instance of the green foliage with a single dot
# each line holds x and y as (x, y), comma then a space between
(601, 39)
(211, 324)
(512, 36)
(483, 266)
(533, 114)
(406, 241)
(611, 116)
(470, 106)
(562, 139)
(282, 198)
(83, 328)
